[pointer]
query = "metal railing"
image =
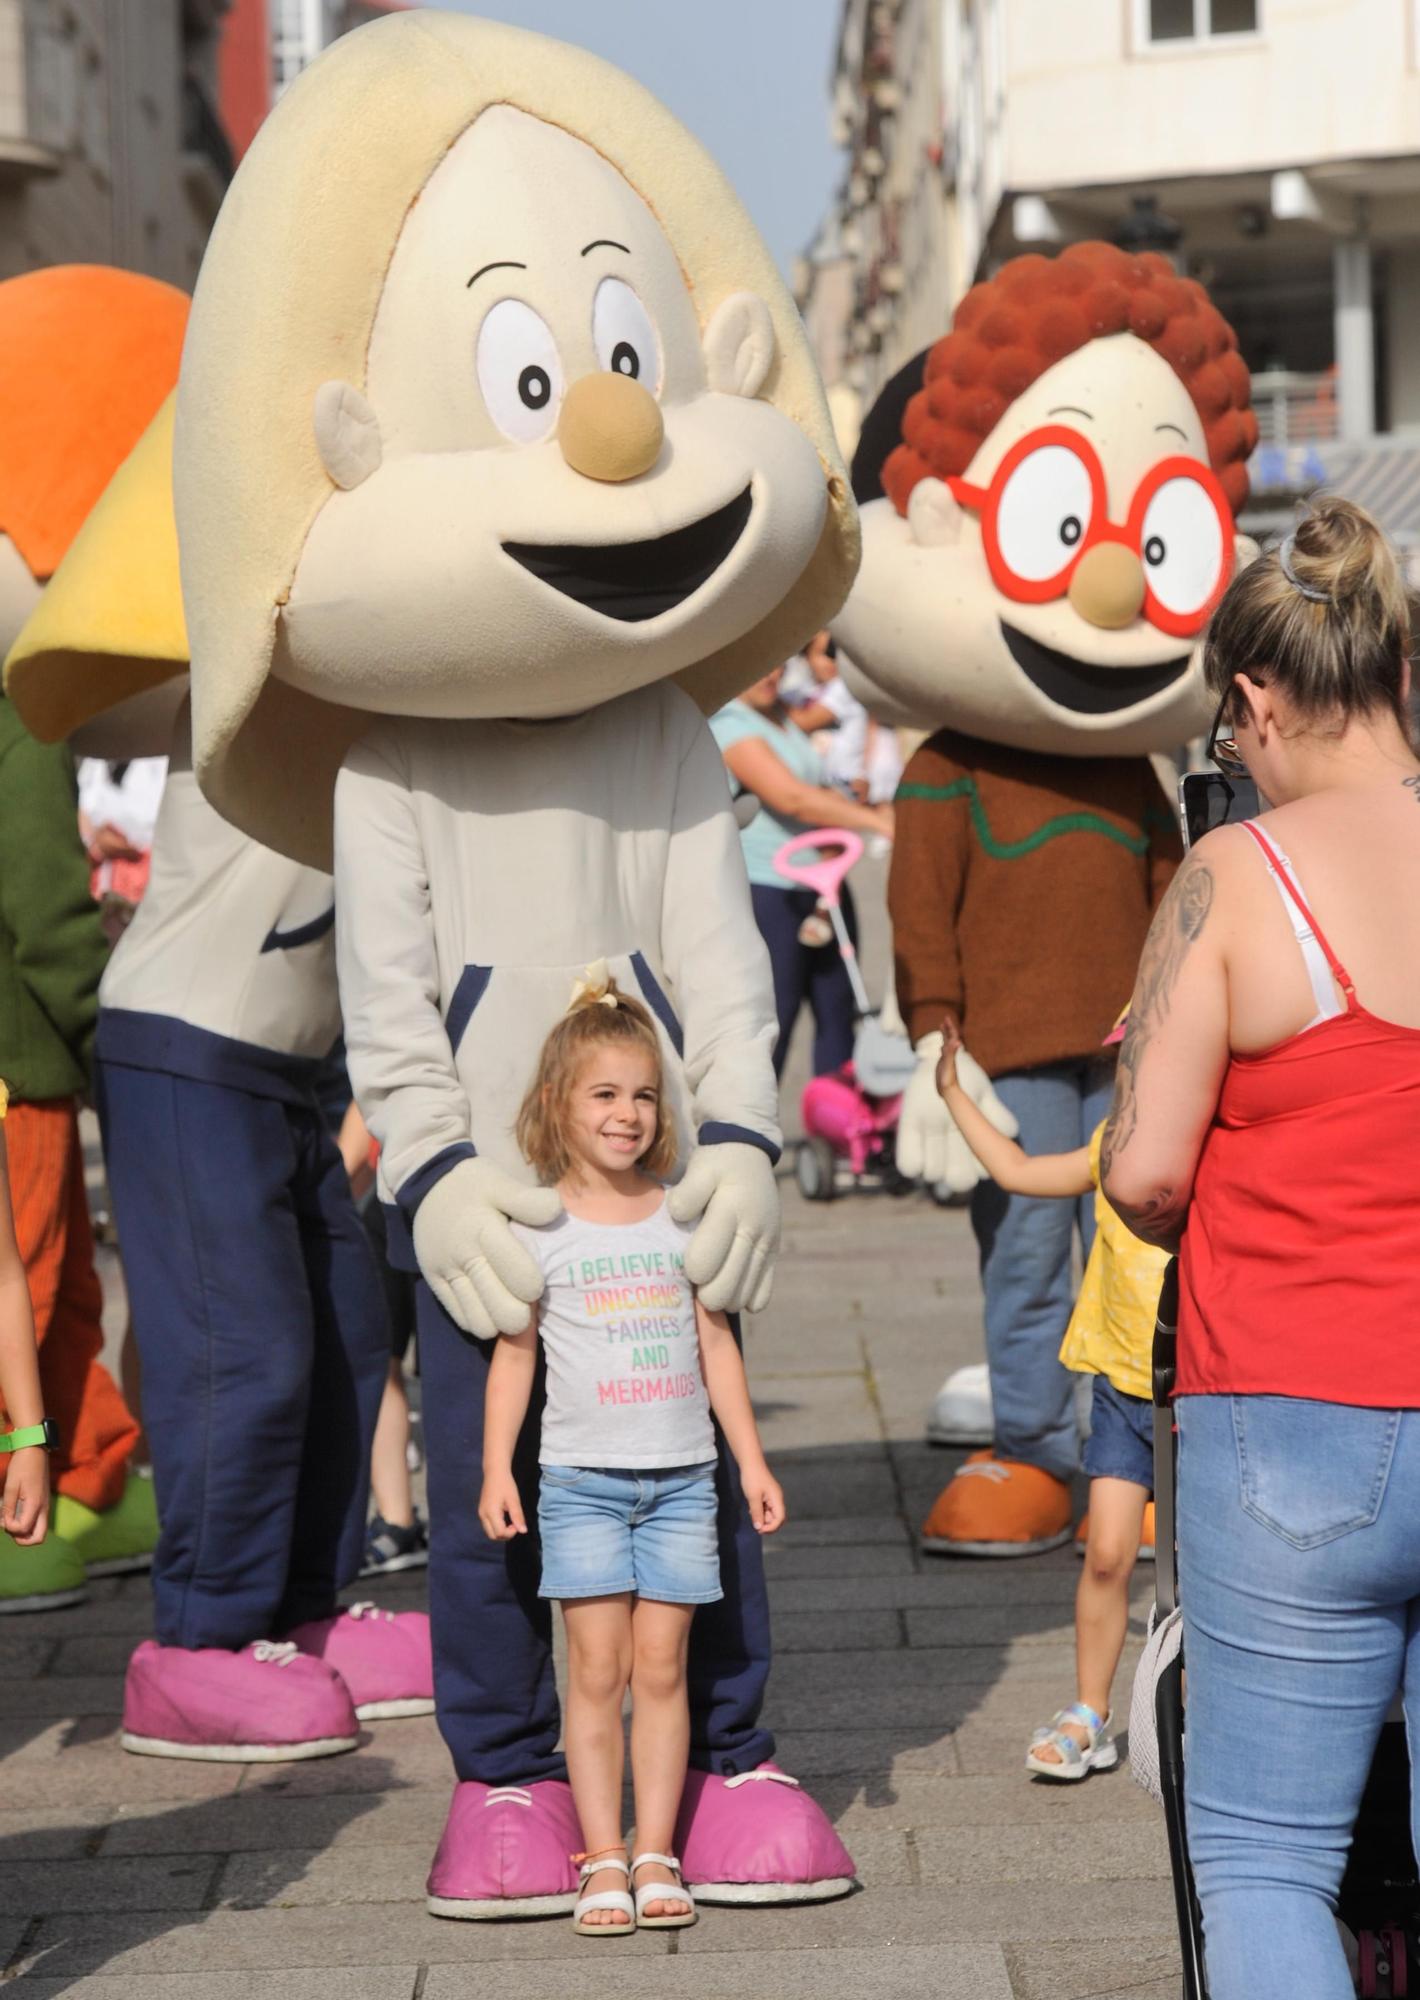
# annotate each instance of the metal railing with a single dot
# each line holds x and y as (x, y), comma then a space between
(1295, 408)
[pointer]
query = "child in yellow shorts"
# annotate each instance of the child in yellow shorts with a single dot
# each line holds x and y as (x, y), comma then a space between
(1110, 1336)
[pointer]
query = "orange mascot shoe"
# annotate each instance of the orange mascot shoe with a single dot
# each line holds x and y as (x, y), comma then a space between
(998, 1507)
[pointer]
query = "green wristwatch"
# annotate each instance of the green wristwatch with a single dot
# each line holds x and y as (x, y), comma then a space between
(45, 1432)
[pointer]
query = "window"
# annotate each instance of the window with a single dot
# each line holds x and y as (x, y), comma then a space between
(1167, 21)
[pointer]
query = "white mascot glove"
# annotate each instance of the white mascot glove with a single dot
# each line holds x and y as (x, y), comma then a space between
(929, 1146)
(730, 1260)
(477, 1270)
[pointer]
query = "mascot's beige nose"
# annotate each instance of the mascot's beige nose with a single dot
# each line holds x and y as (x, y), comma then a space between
(1108, 585)
(610, 428)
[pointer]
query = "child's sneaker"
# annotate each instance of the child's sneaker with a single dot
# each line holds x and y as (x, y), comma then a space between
(390, 1548)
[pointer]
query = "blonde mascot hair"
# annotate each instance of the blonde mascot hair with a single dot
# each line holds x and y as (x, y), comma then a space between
(287, 299)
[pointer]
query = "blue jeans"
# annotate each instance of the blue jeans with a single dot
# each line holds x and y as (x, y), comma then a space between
(1025, 1244)
(802, 972)
(1300, 1584)
(605, 1530)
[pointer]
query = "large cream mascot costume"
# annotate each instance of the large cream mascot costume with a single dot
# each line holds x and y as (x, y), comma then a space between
(1052, 490)
(255, 1296)
(499, 456)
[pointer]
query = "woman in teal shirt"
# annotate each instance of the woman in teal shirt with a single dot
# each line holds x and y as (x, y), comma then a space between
(768, 755)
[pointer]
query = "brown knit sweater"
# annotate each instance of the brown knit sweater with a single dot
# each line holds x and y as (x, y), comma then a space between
(1021, 890)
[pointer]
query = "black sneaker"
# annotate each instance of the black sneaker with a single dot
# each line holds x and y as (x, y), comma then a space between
(388, 1548)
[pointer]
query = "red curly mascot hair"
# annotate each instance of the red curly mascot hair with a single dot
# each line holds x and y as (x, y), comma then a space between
(1035, 312)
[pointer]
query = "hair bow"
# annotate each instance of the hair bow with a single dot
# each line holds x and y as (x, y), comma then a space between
(593, 989)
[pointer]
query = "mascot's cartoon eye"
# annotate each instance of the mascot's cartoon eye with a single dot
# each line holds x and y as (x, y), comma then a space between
(1184, 546)
(535, 387)
(519, 371)
(1044, 512)
(623, 334)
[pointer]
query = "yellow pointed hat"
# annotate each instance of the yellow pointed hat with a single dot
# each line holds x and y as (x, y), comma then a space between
(110, 623)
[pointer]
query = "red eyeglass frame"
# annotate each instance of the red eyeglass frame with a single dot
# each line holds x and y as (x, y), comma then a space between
(1032, 590)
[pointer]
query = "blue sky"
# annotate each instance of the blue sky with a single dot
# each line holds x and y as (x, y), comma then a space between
(749, 77)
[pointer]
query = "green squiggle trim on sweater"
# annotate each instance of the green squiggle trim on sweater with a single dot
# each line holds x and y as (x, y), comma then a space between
(1012, 850)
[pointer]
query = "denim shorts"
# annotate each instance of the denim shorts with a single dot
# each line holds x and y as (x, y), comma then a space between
(1121, 1440)
(650, 1531)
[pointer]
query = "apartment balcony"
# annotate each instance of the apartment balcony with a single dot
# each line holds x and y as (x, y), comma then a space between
(1301, 451)
(1294, 408)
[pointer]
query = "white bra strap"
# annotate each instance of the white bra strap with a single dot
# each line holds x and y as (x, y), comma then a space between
(1323, 985)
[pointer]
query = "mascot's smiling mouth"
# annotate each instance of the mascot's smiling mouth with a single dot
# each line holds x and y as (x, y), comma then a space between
(1088, 690)
(634, 581)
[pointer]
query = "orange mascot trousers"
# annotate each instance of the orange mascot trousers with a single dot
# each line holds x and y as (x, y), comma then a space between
(56, 1239)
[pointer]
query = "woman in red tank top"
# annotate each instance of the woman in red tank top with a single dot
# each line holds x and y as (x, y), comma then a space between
(1266, 1125)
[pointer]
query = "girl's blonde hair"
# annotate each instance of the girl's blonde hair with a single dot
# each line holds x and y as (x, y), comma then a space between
(1325, 617)
(594, 1020)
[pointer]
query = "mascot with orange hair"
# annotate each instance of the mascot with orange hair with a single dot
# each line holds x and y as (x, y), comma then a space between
(86, 356)
(1050, 497)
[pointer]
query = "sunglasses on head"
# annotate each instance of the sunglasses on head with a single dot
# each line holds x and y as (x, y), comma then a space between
(1222, 747)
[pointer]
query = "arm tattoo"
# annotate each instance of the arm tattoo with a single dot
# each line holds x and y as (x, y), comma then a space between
(1412, 785)
(1176, 928)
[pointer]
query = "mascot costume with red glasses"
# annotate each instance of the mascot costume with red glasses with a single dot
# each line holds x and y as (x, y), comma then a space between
(1050, 497)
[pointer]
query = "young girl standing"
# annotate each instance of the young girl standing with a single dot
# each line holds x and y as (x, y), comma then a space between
(627, 1505)
(1110, 1336)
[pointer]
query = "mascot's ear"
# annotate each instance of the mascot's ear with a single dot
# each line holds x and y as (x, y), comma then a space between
(347, 434)
(1245, 551)
(933, 516)
(739, 345)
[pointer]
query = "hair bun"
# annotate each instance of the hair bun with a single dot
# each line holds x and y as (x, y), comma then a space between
(1340, 551)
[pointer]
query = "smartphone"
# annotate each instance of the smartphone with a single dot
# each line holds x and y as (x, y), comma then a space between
(1206, 799)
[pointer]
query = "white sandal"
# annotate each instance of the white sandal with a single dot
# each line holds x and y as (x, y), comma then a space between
(604, 1899)
(663, 1892)
(1072, 1761)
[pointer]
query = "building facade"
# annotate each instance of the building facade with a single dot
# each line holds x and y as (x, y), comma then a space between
(1272, 147)
(111, 147)
(302, 28)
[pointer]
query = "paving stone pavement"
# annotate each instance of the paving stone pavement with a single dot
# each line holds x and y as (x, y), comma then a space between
(905, 1690)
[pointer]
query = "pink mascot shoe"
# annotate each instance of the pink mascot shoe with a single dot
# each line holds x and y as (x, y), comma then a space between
(507, 1852)
(383, 1657)
(759, 1838)
(265, 1705)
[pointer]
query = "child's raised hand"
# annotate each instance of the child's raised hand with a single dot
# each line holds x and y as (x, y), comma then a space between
(26, 1506)
(500, 1509)
(765, 1496)
(947, 1061)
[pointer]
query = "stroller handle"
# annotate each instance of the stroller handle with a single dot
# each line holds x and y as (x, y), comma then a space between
(834, 852)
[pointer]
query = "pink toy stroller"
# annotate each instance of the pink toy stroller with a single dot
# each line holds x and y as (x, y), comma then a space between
(850, 1117)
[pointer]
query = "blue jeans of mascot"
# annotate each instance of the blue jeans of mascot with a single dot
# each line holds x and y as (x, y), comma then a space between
(262, 1334)
(493, 1675)
(1026, 1245)
(1300, 1583)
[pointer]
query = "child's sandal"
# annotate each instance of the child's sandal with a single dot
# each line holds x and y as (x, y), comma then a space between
(1072, 1760)
(663, 1892)
(604, 1899)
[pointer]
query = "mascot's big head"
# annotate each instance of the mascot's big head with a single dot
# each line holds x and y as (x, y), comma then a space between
(492, 405)
(1059, 477)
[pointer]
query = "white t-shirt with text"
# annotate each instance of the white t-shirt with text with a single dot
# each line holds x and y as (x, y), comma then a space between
(617, 1322)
